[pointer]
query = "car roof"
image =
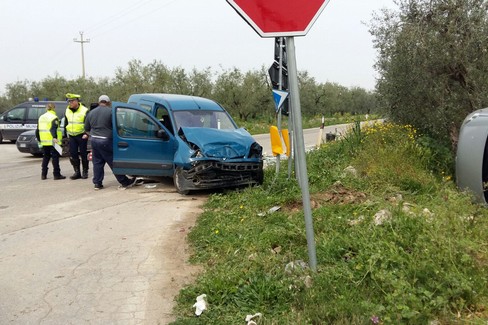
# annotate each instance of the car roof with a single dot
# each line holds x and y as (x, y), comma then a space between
(60, 105)
(177, 102)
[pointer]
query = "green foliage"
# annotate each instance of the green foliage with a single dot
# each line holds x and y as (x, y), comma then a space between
(395, 242)
(432, 58)
(246, 95)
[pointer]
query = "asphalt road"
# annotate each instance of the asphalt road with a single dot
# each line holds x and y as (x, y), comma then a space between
(72, 255)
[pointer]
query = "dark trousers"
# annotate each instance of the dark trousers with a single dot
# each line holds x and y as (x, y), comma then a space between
(102, 153)
(50, 152)
(78, 148)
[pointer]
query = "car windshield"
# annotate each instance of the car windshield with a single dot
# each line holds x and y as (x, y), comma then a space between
(205, 119)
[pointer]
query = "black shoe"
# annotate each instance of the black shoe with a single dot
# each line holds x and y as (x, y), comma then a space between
(98, 187)
(43, 177)
(131, 183)
(84, 174)
(59, 177)
(75, 176)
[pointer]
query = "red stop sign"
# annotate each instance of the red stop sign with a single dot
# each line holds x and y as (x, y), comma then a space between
(274, 18)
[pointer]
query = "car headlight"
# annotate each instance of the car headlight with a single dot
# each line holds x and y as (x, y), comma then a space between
(255, 151)
(197, 154)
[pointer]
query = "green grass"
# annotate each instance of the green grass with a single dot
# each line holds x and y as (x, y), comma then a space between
(425, 261)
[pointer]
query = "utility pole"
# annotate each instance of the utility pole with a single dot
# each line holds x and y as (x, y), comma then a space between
(82, 41)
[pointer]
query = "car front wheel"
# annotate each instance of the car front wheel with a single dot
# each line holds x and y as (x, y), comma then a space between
(179, 180)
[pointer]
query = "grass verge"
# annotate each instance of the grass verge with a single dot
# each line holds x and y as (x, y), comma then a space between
(396, 242)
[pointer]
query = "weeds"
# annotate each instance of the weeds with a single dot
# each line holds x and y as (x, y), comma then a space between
(396, 242)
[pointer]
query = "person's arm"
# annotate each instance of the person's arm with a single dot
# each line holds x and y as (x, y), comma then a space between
(54, 129)
(87, 128)
(37, 133)
(65, 132)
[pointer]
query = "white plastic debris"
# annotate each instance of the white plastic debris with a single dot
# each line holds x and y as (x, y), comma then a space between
(272, 210)
(200, 305)
(250, 318)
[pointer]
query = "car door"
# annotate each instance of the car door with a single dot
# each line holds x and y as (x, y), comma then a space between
(139, 149)
(14, 123)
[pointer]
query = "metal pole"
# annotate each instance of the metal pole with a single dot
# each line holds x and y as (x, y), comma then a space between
(82, 41)
(280, 87)
(300, 153)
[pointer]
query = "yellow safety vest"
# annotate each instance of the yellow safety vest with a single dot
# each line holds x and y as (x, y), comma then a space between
(76, 120)
(45, 124)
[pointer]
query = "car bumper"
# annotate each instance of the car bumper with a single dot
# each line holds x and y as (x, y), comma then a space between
(28, 147)
(213, 174)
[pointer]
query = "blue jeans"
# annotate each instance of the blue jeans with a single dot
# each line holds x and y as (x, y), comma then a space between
(102, 153)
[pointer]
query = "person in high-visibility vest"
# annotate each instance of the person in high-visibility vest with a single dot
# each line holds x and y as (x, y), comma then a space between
(75, 129)
(48, 134)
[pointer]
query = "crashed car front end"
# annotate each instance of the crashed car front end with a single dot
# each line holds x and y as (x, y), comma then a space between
(212, 158)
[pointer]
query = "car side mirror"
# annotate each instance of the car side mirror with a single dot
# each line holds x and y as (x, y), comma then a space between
(162, 134)
(5, 117)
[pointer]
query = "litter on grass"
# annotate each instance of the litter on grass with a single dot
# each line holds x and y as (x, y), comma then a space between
(272, 210)
(250, 318)
(200, 305)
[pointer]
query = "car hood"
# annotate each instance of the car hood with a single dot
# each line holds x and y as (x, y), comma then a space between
(217, 143)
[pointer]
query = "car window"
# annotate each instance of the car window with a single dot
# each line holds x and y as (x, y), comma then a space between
(147, 107)
(34, 112)
(135, 124)
(16, 114)
(162, 115)
(205, 119)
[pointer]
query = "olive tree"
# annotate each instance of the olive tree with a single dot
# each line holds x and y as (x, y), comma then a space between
(432, 62)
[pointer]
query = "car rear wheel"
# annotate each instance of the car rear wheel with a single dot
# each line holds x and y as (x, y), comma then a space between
(179, 180)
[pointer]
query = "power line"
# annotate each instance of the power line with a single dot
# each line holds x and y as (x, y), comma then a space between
(117, 16)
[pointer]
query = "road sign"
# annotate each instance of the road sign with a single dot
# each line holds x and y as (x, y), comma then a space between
(279, 97)
(280, 18)
(273, 18)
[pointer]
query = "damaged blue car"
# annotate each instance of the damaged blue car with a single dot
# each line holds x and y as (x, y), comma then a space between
(191, 139)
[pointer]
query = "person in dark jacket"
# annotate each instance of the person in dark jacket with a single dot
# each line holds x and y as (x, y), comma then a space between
(98, 126)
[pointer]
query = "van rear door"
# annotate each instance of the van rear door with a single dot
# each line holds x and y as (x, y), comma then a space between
(139, 149)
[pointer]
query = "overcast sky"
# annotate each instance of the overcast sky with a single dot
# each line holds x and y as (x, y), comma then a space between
(37, 39)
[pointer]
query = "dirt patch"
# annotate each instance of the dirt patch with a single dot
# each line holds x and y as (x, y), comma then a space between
(177, 272)
(336, 194)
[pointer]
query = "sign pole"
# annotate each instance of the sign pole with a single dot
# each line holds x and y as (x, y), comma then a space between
(280, 87)
(300, 150)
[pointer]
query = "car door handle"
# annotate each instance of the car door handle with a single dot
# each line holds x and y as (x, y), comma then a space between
(122, 145)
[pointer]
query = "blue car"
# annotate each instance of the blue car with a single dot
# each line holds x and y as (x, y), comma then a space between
(192, 139)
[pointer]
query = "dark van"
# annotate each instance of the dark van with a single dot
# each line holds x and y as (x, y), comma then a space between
(24, 117)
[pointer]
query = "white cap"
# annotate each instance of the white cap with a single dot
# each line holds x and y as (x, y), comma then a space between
(104, 98)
